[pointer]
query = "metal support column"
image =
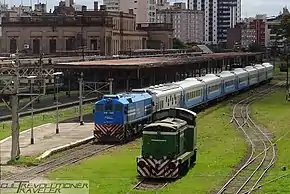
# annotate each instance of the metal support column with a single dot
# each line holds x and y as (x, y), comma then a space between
(111, 85)
(57, 113)
(32, 115)
(81, 98)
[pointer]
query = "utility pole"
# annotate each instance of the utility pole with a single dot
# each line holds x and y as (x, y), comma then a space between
(287, 78)
(82, 39)
(111, 85)
(81, 98)
(11, 75)
(15, 149)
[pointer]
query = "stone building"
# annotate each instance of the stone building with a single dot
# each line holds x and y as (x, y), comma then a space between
(68, 30)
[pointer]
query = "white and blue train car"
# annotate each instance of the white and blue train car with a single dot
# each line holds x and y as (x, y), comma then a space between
(213, 89)
(269, 70)
(164, 95)
(253, 75)
(193, 92)
(229, 80)
(261, 72)
(242, 78)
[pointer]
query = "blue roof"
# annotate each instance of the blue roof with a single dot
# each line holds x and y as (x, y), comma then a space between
(126, 98)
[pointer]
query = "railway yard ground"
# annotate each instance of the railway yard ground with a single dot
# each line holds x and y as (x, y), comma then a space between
(43, 118)
(221, 150)
(273, 113)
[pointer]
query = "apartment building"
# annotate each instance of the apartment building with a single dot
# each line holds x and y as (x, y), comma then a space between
(145, 10)
(242, 35)
(162, 4)
(219, 16)
(188, 24)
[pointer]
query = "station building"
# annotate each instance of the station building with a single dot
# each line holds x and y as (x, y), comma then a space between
(64, 29)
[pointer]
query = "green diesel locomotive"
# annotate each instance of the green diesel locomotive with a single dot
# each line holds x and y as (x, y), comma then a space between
(168, 144)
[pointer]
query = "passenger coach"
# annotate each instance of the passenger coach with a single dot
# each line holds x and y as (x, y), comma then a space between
(253, 75)
(229, 80)
(242, 78)
(213, 88)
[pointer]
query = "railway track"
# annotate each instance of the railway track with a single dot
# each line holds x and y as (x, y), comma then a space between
(68, 157)
(262, 155)
(150, 184)
(46, 108)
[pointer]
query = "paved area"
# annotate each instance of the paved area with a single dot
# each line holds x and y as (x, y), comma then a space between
(45, 139)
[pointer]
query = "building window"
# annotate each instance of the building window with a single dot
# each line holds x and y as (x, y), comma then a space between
(94, 44)
(36, 46)
(13, 45)
(70, 43)
(52, 46)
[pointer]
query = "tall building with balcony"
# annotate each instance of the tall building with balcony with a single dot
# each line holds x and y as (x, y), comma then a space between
(145, 10)
(188, 24)
(259, 26)
(219, 16)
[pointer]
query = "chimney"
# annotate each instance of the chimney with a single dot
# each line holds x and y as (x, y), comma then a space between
(96, 5)
(84, 8)
(103, 7)
(131, 11)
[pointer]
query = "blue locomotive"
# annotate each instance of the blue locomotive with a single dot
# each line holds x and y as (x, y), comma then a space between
(120, 117)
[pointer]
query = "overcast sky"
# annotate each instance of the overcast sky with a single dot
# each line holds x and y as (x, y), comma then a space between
(249, 7)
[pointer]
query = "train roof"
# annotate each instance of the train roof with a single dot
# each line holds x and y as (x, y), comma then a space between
(267, 64)
(259, 66)
(126, 98)
(250, 68)
(188, 83)
(208, 78)
(167, 125)
(239, 71)
(191, 79)
(160, 89)
(225, 74)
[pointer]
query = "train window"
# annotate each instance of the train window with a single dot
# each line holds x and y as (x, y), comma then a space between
(99, 108)
(108, 108)
(118, 107)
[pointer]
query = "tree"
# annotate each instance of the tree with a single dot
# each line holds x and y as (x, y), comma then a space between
(285, 25)
(254, 47)
(178, 44)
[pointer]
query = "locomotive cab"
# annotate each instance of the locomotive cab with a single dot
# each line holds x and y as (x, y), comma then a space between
(109, 110)
(168, 144)
(164, 138)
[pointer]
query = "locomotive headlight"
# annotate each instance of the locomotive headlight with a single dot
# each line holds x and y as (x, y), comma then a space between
(141, 164)
(171, 165)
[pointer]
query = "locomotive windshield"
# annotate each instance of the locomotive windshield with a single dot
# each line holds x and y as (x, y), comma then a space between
(99, 108)
(108, 108)
(118, 107)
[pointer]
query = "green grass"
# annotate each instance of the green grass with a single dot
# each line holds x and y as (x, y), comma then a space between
(220, 149)
(273, 112)
(43, 118)
(61, 93)
(25, 161)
